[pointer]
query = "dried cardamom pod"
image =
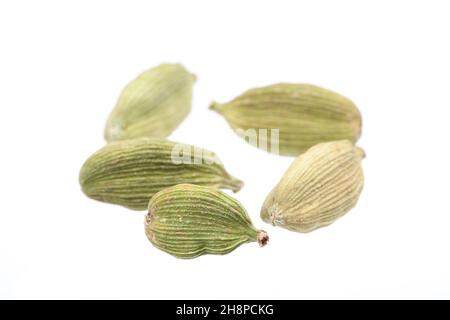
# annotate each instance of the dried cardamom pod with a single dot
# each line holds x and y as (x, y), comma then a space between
(130, 172)
(152, 105)
(290, 118)
(320, 186)
(188, 221)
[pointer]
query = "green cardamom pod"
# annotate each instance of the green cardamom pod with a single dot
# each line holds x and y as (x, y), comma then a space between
(320, 186)
(152, 105)
(288, 119)
(130, 172)
(188, 221)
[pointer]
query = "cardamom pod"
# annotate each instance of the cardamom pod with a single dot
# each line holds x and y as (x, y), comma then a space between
(130, 172)
(152, 105)
(320, 186)
(188, 221)
(290, 118)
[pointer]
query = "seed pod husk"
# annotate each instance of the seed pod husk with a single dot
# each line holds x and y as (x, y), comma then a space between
(304, 114)
(152, 105)
(320, 186)
(130, 172)
(188, 221)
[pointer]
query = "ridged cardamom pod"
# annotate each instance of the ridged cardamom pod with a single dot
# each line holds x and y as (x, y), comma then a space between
(304, 115)
(320, 186)
(152, 105)
(130, 172)
(188, 221)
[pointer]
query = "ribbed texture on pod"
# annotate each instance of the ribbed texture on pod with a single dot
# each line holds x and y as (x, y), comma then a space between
(188, 221)
(304, 114)
(152, 105)
(130, 172)
(320, 186)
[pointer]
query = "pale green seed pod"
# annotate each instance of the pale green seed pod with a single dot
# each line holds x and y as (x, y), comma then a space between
(304, 115)
(152, 105)
(130, 172)
(188, 221)
(320, 186)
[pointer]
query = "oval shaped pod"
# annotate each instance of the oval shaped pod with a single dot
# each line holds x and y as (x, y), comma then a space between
(152, 105)
(304, 115)
(320, 186)
(130, 172)
(188, 221)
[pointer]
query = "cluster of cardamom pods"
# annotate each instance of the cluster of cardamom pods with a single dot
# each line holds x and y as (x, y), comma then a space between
(179, 185)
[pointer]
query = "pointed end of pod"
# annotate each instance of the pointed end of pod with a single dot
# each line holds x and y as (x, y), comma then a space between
(216, 107)
(270, 211)
(265, 215)
(147, 222)
(113, 131)
(360, 152)
(263, 238)
(148, 217)
(108, 136)
(236, 184)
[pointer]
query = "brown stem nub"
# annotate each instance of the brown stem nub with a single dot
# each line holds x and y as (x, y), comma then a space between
(148, 217)
(263, 238)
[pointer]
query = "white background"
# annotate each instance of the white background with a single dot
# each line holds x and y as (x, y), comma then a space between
(63, 65)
